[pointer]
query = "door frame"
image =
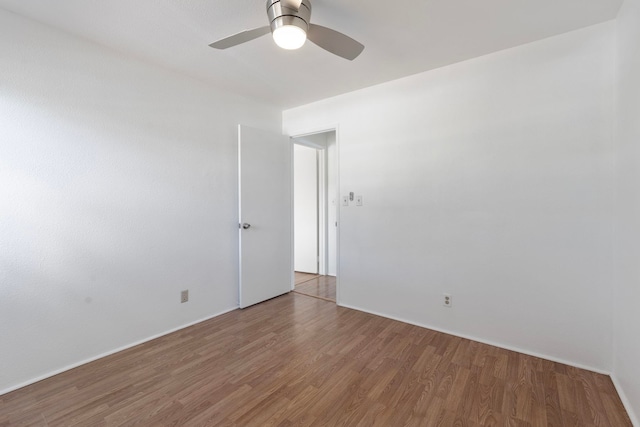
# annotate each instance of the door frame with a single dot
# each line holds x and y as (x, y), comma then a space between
(323, 203)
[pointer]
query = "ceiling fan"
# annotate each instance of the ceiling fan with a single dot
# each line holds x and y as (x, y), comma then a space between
(290, 26)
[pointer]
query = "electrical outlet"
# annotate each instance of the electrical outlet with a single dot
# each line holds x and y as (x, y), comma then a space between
(447, 300)
(184, 296)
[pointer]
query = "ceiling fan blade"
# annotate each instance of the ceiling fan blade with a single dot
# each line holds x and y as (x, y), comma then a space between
(291, 4)
(240, 38)
(335, 42)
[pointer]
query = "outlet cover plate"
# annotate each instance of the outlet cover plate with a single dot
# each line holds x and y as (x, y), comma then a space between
(447, 300)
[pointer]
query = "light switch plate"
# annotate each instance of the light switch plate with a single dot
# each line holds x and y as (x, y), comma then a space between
(358, 200)
(345, 200)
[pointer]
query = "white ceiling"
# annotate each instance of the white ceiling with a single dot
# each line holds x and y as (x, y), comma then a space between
(401, 37)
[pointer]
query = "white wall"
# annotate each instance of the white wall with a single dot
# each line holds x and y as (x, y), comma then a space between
(627, 267)
(491, 180)
(305, 209)
(118, 189)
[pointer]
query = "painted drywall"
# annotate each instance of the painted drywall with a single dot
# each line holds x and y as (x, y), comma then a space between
(118, 189)
(627, 231)
(490, 180)
(305, 209)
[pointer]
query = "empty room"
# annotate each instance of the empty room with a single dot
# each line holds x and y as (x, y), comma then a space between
(474, 204)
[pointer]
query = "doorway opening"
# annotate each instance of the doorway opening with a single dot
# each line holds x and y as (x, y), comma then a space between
(315, 214)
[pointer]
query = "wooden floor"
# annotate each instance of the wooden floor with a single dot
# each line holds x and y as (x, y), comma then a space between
(303, 277)
(314, 285)
(301, 361)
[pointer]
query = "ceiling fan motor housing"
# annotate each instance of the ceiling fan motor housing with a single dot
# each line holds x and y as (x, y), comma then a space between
(280, 15)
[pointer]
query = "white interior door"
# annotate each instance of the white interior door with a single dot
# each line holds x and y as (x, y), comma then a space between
(265, 215)
(305, 208)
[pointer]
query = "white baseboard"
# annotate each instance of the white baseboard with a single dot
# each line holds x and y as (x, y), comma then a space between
(625, 401)
(484, 341)
(109, 353)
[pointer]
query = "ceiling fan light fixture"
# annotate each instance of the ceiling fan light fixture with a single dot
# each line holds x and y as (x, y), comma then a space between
(290, 25)
(290, 37)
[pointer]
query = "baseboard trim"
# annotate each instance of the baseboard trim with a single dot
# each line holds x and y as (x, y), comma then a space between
(109, 353)
(625, 401)
(481, 340)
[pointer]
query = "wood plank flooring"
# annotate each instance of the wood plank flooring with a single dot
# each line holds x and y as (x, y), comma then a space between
(303, 277)
(301, 361)
(313, 285)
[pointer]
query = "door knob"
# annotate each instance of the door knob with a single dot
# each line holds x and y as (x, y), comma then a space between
(246, 226)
